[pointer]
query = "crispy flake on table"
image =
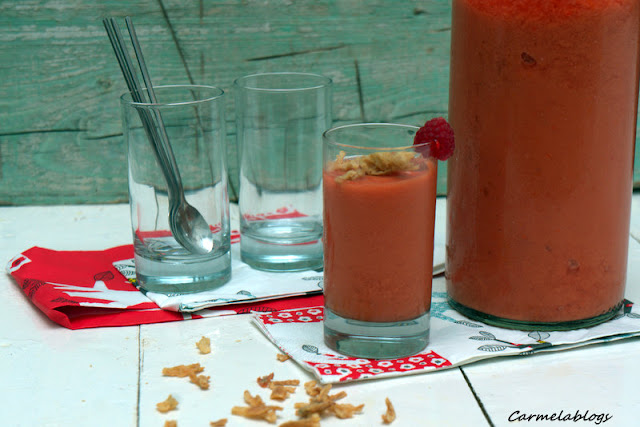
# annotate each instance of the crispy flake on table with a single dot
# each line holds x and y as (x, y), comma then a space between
(204, 345)
(265, 380)
(286, 382)
(321, 403)
(389, 416)
(345, 410)
(190, 371)
(312, 421)
(169, 404)
(182, 370)
(256, 410)
(280, 392)
(311, 389)
(283, 357)
(201, 381)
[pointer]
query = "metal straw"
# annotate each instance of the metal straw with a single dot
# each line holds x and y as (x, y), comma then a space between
(164, 139)
(126, 66)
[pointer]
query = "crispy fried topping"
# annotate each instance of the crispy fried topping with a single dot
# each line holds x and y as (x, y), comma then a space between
(265, 381)
(312, 421)
(182, 370)
(204, 345)
(322, 403)
(201, 381)
(378, 163)
(280, 392)
(283, 357)
(256, 410)
(389, 416)
(167, 405)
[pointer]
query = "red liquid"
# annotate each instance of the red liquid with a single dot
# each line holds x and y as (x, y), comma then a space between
(543, 101)
(378, 237)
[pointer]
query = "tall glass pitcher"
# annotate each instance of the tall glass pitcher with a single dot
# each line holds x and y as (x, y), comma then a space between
(543, 101)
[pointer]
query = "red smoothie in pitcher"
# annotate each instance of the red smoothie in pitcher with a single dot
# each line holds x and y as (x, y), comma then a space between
(379, 243)
(543, 98)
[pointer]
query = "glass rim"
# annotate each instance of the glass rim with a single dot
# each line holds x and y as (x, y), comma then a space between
(326, 135)
(325, 82)
(129, 101)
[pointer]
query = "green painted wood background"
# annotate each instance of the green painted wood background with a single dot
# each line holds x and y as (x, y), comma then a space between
(60, 134)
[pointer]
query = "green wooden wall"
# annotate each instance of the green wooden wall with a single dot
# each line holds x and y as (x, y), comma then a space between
(60, 134)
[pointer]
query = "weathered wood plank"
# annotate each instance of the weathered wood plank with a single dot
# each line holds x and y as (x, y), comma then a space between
(60, 133)
(50, 148)
(60, 137)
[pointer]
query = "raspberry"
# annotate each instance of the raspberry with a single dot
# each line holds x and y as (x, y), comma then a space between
(439, 134)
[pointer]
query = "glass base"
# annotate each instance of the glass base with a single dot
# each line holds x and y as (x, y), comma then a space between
(281, 245)
(375, 340)
(281, 258)
(182, 278)
(283, 264)
(533, 326)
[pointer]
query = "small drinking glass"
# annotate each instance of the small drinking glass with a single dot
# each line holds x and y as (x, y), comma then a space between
(193, 117)
(280, 118)
(379, 215)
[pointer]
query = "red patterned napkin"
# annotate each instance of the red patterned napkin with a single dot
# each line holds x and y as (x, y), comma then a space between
(82, 289)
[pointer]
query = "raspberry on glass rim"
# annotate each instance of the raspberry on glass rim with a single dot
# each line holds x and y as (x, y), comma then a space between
(438, 134)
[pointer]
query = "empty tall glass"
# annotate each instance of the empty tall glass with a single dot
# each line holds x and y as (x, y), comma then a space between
(193, 117)
(280, 119)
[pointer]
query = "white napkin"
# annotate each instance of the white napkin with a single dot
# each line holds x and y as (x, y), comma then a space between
(246, 285)
(454, 340)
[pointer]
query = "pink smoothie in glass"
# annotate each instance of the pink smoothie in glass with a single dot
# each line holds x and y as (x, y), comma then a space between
(379, 244)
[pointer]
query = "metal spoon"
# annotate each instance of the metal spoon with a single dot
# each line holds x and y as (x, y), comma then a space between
(187, 225)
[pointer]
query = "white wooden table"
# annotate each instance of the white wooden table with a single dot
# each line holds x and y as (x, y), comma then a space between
(52, 376)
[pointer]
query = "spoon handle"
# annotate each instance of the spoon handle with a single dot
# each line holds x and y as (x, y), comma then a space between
(165, 148)
(126, 66)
